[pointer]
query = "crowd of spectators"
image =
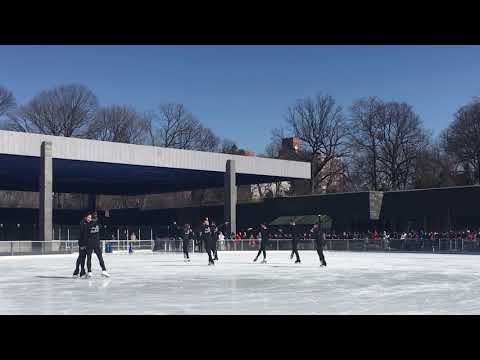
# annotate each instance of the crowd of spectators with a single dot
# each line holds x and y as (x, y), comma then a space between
(279, 233)
(420, 240)
(408, 240)
(412, 239)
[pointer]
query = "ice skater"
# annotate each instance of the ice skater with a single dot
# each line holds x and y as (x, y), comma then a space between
(319, 237)
(213, 240)
(263, 243)
(82, 248)
(92, 228)
(295, 236)
(206, 239)
(187, 235)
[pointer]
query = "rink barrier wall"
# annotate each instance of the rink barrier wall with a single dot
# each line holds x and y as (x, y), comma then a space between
(166, 245)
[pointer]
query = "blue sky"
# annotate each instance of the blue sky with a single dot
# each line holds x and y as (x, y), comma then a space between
(242, 92)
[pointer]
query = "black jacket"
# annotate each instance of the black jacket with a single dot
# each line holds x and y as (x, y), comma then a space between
(319, 237)
(187, 234)
(205, 231)
(89, 234)
(265, 234)
(83, 241)
(214, 232)
(294, 233)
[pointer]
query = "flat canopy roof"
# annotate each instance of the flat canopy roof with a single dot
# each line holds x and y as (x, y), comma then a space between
(90, 166)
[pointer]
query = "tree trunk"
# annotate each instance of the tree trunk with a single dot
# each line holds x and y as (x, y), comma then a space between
(478, 173)
(312, 178)
(260, 193)
(375, 184)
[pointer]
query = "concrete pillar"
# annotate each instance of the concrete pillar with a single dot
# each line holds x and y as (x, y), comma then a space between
(230, 188)
(46, 181)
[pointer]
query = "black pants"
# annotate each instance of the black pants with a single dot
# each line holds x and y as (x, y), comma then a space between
(98, 252)
(320, 253)
(263, 245)
(213, 247)
(206, 243)
(295, 249)
(185, 248)
(82, 255)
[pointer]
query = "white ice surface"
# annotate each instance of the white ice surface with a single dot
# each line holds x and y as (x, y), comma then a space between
(154, 283)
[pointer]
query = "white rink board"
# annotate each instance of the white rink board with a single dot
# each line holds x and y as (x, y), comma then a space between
(161, 283)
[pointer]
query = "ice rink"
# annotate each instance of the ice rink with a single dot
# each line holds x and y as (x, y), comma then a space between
(162, 283)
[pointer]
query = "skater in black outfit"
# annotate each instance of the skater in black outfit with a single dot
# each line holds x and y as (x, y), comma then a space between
(319, 242)
(206, 239)
(198, 239)
(295, 237)
(263, 243)
(213, 240)
(93, 234)
(186, 236)
(82, 247)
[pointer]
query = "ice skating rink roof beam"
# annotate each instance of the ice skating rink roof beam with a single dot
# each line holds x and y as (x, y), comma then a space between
(90, 166)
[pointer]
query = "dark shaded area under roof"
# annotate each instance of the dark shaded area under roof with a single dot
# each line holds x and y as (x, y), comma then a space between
(22, 173)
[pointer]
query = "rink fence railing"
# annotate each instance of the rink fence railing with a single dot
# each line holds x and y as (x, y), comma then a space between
(167, 245)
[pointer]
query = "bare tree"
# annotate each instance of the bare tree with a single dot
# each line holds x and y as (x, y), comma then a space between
(7, 101)
(205, 140)
(274, 148)
(355, 179)
(18, 199)
(435, 168)
(174, 126)
(231, 147)
(462, 140)
(319, 123)
(386, 140)
(364, 136)
(402, 137)
(66, 110)
(119, 124)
